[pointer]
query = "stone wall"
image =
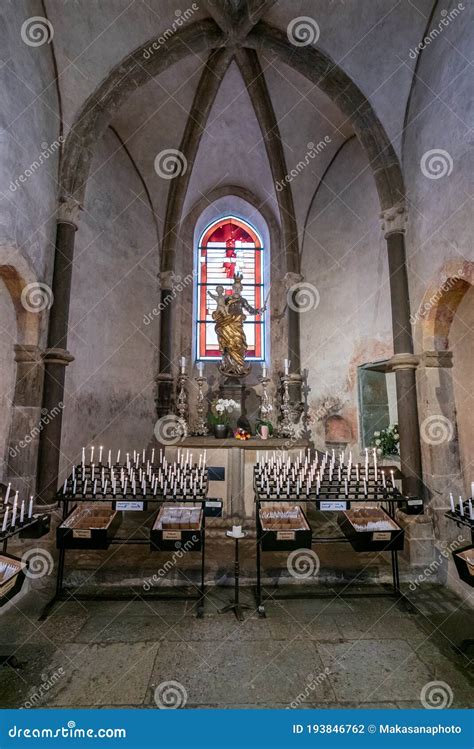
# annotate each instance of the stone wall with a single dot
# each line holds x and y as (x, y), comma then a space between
(110, 385)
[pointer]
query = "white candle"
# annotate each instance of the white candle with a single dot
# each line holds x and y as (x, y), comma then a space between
(95, 487)
(22, 512)
(15, 507)
(7, 493)
(65, 486)
(118, 456)
(83, 455)
(392, 477)
(461, 507)
(85, 487)
(345, 487)
(109, 459)
(384, 484)
(471, 516)
(5, 519)
(472, 489)
(287, 366)
(451, 499)
(183, 365)
(264, 370)
(92, 454)
(365, 487)
(200, 368)
(100, 453)
(30, 508)
(153, 456)
(357, 472)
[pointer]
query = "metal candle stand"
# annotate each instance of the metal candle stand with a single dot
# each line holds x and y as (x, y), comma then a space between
(182, 397)
(119, 499)
(463, 521)
(201, 429)
(35, 527)
(330, 493)
(235, 605)
(266, 407)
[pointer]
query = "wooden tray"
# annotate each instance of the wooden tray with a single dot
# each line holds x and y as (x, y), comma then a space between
(464, 561)
(88, 526)
(177, 528)
(360, 527)
(284, 527)
(12, 579)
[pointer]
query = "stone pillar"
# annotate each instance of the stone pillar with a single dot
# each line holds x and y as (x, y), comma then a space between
(25, 424)
(404, 363)
(56, 357)
(164, 379)
(439, 438)
(292, 281)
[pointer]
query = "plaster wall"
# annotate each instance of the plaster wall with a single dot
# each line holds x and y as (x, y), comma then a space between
(110, 385)
(440, 118)
(8, 330)
(344, 257)
(29, 126)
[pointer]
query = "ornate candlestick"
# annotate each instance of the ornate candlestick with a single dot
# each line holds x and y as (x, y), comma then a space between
(201, 422)
(266, 406)
(182, 399)
(285, 428)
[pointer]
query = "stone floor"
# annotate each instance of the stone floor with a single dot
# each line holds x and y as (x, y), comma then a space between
(331, 652)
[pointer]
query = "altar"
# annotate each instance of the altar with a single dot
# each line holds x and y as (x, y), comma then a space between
(230, 465)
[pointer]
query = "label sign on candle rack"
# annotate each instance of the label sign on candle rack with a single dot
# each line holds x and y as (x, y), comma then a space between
(172, 535)
(381, 536)
(81, 533)
(129, 506)
(285, 535)
(333, 506)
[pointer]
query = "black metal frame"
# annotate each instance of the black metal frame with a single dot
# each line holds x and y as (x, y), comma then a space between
(63, 594)
(388, 501)
(461, 520)
(28, 525)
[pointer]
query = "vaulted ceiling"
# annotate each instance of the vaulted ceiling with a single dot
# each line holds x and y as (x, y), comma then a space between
(370, 43)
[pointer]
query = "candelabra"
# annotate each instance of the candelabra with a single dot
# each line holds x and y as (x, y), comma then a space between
(182, 399)
(286, 427)
(266, 406)
(201, 423)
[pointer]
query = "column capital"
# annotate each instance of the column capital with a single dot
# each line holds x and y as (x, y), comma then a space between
(168, 279)
(291, 279)
(393, 220)
(27, 352)
(57, 356)
(403, 361)
(438, 359)
(68, 211)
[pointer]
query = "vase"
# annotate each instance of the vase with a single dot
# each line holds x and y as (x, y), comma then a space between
(220, 431)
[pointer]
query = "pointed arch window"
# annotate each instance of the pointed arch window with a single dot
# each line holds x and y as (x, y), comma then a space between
(228, 246)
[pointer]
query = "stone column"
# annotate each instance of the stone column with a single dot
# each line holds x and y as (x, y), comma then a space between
(164, 379)
(292, 288)
(404, 363)
(56, 357)
(26, 414)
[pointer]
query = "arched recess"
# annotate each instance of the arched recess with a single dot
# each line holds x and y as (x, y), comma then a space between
(133, 72)
(22, 369)
(225, 200)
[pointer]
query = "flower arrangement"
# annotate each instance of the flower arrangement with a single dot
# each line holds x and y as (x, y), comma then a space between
(241, 434)
(221, 410)
(387, 441)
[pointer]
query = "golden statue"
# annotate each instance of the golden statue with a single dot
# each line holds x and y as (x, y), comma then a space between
(229, 318)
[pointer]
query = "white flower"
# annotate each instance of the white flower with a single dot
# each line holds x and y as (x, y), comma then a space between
(376, 434)
(377, 442)
(379, 451)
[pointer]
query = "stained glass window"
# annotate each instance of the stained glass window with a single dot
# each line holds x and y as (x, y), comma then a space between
(228, 247)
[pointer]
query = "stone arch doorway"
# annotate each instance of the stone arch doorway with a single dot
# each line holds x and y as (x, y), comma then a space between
(24, 302)
(211, 37)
